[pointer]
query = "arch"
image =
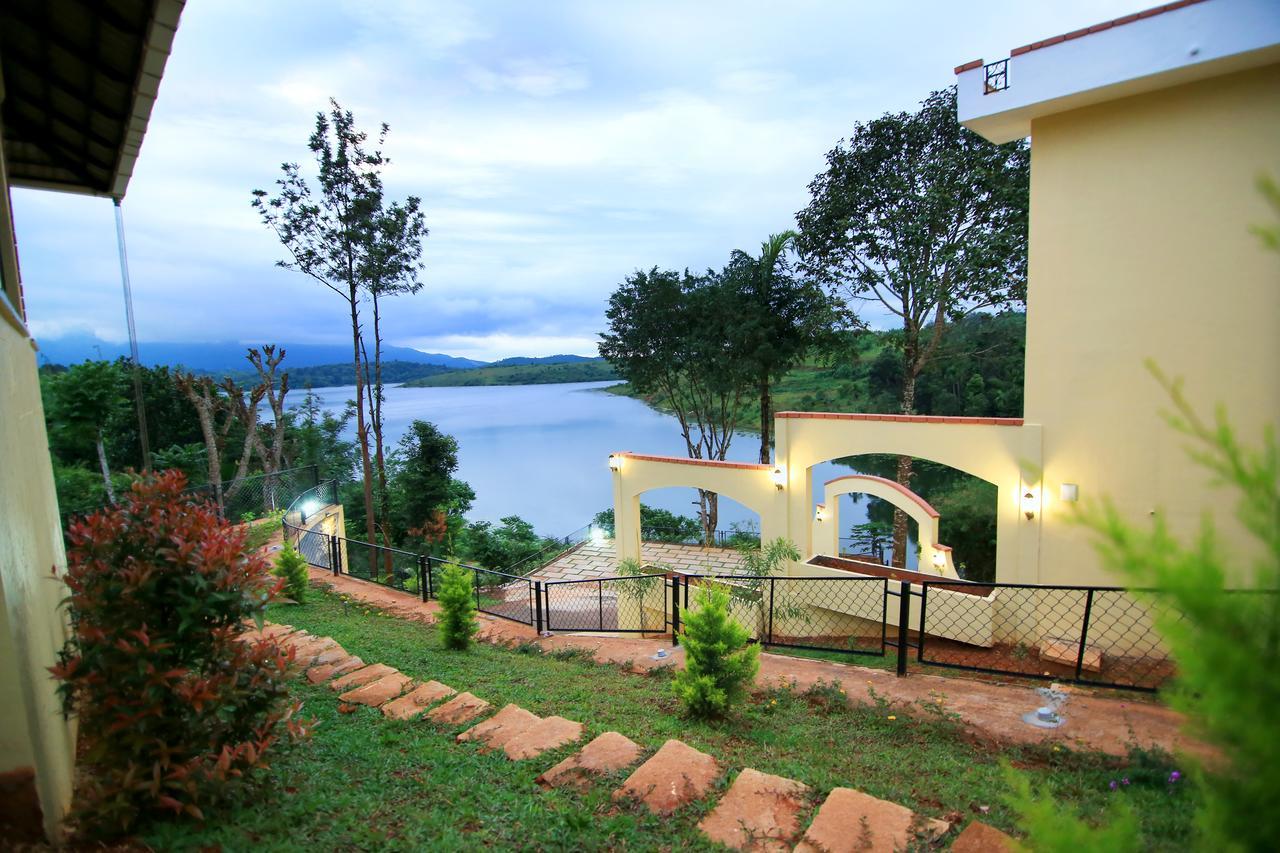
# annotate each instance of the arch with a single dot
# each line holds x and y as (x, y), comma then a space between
(934, 556)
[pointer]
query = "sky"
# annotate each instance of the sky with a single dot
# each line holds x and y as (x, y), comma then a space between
(556, 147)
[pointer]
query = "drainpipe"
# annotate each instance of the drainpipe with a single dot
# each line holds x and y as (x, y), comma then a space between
(133, 339)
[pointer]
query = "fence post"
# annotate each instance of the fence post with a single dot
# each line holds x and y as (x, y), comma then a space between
(537, 606)
(770, 633)
(904, 617)
(675, 609)
(335, 560)
(422, 577)
(431, 565)
(1084, 633)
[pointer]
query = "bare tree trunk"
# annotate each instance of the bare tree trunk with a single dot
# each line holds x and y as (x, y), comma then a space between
(904, 466)
(766, 419)
(362, 429)
(106, 471)
(375, 411)
(204, 398)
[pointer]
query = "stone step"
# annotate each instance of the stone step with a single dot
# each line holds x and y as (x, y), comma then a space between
(324, 672)
(375, 694)
(417, 701)
(851, 821)
(305, 654)
(333, 654)
(501, 727)
(608, 753)
(676, 775)
(360, 677)
(548, 734)
(981, 838)
(462, 708)
(758, 812)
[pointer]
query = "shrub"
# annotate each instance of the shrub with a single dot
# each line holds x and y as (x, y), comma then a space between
(291, 567)
(456, 595)
(174, 707)
(720, 660)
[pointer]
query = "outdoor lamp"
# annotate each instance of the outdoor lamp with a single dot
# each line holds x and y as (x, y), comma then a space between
(1069, 492)
(615, 462)
(820, 513)
(939, 560)
(779, 477)
(1029, 504)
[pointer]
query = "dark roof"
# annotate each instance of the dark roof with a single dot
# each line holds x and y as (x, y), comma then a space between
(79, 80)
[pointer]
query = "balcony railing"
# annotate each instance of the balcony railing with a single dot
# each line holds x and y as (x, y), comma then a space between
(997, 74)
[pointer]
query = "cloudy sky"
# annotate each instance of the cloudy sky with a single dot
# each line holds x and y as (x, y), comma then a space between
(556, 146)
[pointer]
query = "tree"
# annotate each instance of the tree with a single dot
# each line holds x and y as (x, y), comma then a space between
(291, 567)
(422, 473)
(926, 220)
(84, 398)
(457, 597)
(267, 363)
(784, 319)
(720, 659)
(345, 238)
(680, 337)
(391, 267)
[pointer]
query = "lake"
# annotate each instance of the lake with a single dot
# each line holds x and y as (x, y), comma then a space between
(541, 451)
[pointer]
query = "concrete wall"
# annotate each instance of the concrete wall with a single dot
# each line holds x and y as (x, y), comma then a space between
(1140, 248)
(33, 732)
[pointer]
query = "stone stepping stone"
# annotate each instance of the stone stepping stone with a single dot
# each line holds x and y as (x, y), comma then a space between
(608, 753)
(417, 701)
(330, 655)
(462, 708)
(360, 677)
(324, 672)
(305, 655)
(378, 693)
(980, 838)
(551, 733)
(851, 821)
(501, 727)
(676, 775)
(758, 812)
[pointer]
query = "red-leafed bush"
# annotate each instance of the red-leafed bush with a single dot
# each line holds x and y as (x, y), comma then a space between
(173, 707)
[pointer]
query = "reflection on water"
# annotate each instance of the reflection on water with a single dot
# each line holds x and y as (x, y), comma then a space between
(541, 451)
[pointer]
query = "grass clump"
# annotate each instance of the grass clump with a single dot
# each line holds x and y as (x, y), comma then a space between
(457, 607)
(721, 662)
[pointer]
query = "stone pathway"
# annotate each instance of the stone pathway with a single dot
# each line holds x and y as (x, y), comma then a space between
(595, 560)
(758, 811)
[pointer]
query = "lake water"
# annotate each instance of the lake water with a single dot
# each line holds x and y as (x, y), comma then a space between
(541, 451)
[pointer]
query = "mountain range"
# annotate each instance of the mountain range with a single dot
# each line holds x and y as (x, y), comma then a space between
(228, 356)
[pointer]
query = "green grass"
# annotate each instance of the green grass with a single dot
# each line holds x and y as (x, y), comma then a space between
(366, 783)
(596, 370)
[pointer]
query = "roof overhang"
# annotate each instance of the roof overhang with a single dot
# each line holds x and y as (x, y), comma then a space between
(78, 79)
(1167, 46)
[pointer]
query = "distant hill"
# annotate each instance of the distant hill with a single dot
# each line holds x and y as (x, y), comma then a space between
(517, 360)
(588, 370)
(227, 356)
(330, 375)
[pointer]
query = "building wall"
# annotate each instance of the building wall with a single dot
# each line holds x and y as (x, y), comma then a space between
(1140, 248)
(32, 729)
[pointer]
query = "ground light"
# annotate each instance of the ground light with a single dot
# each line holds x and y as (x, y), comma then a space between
(1047, 716)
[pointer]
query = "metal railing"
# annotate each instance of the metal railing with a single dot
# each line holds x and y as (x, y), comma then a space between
(996, 76)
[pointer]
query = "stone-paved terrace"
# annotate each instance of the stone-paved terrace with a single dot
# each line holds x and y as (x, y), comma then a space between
(594, 560)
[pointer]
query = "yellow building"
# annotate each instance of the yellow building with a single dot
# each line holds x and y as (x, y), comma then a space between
(75, 96)
(1148, 135)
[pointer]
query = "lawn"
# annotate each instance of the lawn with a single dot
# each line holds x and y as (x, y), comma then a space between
(363, 782)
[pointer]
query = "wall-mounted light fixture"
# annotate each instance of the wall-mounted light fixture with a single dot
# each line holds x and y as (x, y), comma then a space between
(1069, 492)
(820, 513)
(779, 477)
(615, 462)
(939, 560)
(1029, 504)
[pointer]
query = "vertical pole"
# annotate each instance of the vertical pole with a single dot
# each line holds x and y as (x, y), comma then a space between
(600, 601)
(430, 571)
(1084, 633)
(904, 616)
(771, 580)
(537, 608)
(422, 577)
(335, 565)
(924, 603)
(675, 609)
(143, 440)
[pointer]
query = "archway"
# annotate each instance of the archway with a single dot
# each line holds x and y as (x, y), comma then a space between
(935, 557)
